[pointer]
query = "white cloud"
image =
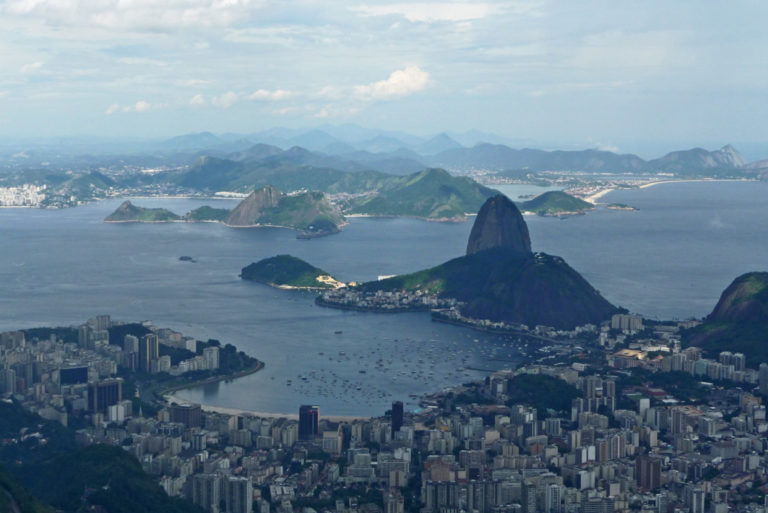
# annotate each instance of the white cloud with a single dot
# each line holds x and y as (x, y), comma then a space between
(136, 15)
(142, 106)
(197, 100)
(226, 100)
(429, 12)
(264, 94)
(403, 82)
(139, 106)
(31, 67)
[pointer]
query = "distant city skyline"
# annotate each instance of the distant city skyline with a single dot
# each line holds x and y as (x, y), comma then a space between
(621, 76)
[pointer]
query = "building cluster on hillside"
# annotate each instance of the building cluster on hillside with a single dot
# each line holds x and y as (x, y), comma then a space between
(26, 195)
(396, 300)
(621, 446)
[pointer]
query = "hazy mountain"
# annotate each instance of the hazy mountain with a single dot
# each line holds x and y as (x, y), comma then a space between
(726, 158)
(437, 144)
(500, 157)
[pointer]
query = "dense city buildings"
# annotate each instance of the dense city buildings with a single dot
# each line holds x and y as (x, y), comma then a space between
(600, 420)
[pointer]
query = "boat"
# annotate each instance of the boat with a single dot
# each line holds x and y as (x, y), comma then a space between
(338, 332)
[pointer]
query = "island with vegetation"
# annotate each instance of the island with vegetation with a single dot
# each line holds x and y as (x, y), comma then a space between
(127, 212)
(311, 213)
(556, 203)
(289, 272)
(620, 206)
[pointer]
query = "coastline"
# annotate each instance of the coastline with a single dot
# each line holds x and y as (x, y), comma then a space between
(592, 198)
(171, 397)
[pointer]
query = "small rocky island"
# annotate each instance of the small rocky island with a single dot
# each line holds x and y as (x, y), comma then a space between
(311, 213)
(620, 206)
(289, 272)
(556, 203)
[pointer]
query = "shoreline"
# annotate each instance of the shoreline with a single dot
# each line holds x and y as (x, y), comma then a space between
(171, 397)
(592, 198)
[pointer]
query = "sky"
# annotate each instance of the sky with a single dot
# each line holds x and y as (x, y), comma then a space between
(618, 75)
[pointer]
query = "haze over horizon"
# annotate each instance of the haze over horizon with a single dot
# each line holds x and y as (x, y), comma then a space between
(640, 78)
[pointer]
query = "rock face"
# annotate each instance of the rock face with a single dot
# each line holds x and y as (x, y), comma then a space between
(250, 209)
(745, 300)
(499, 224)
(125, 211)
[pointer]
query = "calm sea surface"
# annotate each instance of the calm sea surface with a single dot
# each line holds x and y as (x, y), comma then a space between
(669, 259)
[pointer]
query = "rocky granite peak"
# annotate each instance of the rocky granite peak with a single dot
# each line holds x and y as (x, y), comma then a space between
(499, 224)
(249, 210)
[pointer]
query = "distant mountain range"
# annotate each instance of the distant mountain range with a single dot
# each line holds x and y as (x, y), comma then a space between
(390, 154)
(350, 147)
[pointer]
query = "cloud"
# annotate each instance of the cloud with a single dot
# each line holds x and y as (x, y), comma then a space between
(139, 106)
(403, 82)
(31, 67)
(226, 100)
(429, 12)
(197, 100)
(136, 15)
(276, 95)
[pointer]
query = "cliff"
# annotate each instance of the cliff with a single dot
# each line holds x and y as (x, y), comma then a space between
(248, 212)
(499, 224)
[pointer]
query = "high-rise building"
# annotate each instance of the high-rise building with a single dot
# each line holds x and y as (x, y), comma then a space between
(206, 491)
(103, 394)
(238, 496)
(309, 422)
(211, 356)
(103, 322)
(7, 381)
(763, 378)
(397, 417)
(149, 350)
(190, 415)
(73, 375)
(84, 336)
(648, 472)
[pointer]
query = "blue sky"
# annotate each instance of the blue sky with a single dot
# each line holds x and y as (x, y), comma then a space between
(611, 74)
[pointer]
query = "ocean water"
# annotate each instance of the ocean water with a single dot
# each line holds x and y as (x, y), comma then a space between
(669, 259)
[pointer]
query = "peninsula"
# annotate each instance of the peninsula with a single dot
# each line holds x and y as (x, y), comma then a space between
(499, 280)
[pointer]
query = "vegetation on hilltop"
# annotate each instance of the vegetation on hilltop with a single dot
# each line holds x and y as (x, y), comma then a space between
(739, 321)
(286, 271)
(127, 212)
(536, 289)
(206, 213)
(432, 194)
(554, 203)
(545, 393)
(97, 476)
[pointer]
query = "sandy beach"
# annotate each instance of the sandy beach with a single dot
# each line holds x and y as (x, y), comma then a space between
(602, 192)
(171, 398)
